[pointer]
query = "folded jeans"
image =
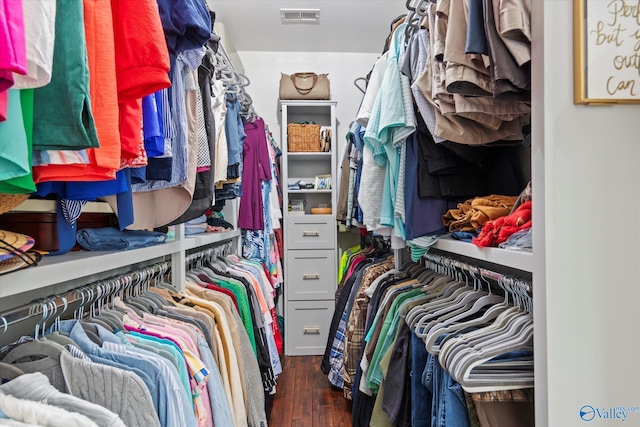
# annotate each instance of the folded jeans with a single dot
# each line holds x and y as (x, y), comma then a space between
(111, 239)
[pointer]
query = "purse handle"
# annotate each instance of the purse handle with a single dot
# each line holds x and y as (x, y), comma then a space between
(304, 76)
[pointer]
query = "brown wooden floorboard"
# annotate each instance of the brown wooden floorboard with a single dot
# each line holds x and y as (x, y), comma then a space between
(304, 397)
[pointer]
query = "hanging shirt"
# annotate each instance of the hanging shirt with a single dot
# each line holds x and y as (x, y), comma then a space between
(142, 65)
(65, 118)
(234, 129)
(14, 155)
(232, 376)
(12, 42)
(103, 162)
(170, 198)
(220, 114)
(256, 168)
(250, 373)
(188, 29)
(39, 32)
(152, 126)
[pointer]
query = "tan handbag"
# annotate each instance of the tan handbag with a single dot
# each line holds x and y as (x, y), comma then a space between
(304, 86)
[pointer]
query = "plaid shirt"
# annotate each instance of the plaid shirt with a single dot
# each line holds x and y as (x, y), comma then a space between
(355, 330)
(336, 357)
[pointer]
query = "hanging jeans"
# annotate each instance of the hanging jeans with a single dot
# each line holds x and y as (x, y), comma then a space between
(421, 397)
(448, 407)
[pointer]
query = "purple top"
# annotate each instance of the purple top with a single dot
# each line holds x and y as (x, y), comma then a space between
(256, 168)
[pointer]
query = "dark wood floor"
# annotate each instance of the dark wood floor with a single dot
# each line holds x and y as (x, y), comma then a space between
(304, 397)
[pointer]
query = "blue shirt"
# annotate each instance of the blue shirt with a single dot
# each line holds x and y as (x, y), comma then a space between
(180, 408)
(219, 403)
(151, 373)
(234, 130)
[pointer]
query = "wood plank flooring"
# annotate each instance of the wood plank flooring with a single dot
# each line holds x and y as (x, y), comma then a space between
(304, 397)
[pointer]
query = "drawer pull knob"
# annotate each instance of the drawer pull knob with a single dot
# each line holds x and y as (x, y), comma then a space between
(311, 277)
(312, 331)
(311, 233)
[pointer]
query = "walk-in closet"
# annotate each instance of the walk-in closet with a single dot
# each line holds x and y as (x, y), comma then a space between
(319, 213)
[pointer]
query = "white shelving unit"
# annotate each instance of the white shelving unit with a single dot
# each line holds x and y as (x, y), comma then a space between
(88, 265)
(519, 260)
(309, 240)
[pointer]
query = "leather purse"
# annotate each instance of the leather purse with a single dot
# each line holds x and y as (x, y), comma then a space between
(304, 86)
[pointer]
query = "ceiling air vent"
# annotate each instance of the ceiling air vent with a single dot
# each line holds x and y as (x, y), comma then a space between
(300, 16)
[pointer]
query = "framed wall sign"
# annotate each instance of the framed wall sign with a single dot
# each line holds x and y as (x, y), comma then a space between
(606, 51)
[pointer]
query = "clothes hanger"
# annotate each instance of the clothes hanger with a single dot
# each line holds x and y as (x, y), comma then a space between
(422, 7)
(466, 319)
(507, 325)
(142, 285)
(33, 349)
(407, 265)
(163, 283)
(502, 321)
(441, 286)
(8, 372)
(156, 298)
(517, 337)
(5, 325)
(362, 88)
(451, 346)
(462, 303)
(105, 321)
(113, 317)
(193, 277)
(44, 308)
(90, 328)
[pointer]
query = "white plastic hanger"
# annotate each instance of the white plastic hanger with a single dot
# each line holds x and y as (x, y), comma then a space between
(468, 357)
(465, 319)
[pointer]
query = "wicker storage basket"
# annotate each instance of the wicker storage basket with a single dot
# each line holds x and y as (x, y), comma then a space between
(303, 137)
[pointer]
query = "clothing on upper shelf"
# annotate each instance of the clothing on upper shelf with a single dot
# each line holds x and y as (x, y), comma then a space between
(475, 213)
(110, 239)
(121, 81)
(499, 230)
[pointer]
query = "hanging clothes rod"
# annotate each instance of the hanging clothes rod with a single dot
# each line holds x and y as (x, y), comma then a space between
(208, 253)
(55, 305)
(521, 284)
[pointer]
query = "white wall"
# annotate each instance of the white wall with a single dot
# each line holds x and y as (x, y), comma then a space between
(264, 68)
(592, 242)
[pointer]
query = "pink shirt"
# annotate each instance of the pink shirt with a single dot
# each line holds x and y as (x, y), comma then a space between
(186, 343)
(13, 47)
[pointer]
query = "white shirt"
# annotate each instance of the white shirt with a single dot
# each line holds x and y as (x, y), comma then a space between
(39, 33)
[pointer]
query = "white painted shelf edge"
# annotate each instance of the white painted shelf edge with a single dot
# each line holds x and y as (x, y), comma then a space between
(75, 265)
(520, 260)
(193, 241)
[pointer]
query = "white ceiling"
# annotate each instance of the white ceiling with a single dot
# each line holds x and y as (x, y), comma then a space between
(345, 25)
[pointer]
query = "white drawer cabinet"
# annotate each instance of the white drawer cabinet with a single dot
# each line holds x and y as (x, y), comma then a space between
(311, 275)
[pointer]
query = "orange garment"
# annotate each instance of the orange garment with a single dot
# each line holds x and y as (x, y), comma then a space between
(142, 65)
(499, 230)
(105, 160)
(475, 213)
